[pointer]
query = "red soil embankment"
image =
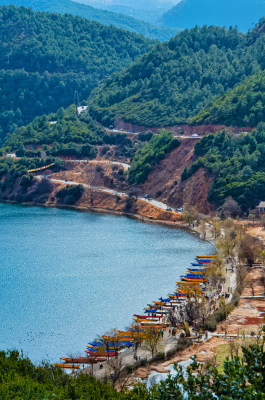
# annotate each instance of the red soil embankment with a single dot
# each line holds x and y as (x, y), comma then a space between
(164, 182)
(103, 201)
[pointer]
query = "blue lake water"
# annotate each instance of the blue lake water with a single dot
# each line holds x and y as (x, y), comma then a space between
(66, 276)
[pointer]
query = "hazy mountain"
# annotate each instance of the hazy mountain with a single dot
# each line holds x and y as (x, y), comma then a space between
(149, 11)
(189, 13)
(94, 14)
(140, 4)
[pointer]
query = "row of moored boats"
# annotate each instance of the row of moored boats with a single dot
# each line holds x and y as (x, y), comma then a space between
(155, 315)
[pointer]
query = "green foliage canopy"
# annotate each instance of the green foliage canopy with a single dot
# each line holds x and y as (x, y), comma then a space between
(45, 58)
(242, 106)
(177, 79)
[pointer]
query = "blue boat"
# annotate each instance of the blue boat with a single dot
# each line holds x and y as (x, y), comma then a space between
(165, 300)
(197, 270)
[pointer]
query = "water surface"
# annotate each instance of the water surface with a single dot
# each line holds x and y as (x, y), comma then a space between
(66, 276)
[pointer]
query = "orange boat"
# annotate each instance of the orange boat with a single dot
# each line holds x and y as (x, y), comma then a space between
(72, 366)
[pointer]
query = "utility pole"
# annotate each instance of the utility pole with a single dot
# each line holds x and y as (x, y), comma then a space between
(76, 101)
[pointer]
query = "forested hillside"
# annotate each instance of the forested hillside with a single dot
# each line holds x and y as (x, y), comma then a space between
(66, 135)
(189, 13)
(242, 106)
(104, 17)
(45, 58)
(176, 80)
(237, 164)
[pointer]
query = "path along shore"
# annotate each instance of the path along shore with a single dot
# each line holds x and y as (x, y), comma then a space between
(169, 341)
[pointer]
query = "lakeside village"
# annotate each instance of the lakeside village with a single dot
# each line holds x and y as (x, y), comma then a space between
(204, 297)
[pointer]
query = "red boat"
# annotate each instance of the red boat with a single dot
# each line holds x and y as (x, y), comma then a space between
(102, 354)
(147, 316)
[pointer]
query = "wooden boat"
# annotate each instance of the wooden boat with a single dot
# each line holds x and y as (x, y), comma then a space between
(152, 312)
(83, 360)
(191, 280)
(164, 300)
(205, 257)
(147, 316)
(160, 303)
(177, 296)
(118, 339)
(189, 290)
(195, 271)
(72, 366)
(181, 295)
(102, 353)
(152, 323)
(158, 311)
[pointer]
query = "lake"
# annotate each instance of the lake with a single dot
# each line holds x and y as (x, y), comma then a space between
(67, 276)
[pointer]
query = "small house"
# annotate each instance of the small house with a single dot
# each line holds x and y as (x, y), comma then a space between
(260, 209)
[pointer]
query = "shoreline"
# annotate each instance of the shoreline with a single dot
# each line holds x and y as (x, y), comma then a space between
(99, 210)
(176, 225)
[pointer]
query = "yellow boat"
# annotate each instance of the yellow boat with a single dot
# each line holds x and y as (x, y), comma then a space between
(191, 283)
(133, 334)
(72, 366)
(161, 303)
(118, 338)
(188, 290)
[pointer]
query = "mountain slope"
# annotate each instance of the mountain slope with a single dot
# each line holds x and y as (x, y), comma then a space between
(242, 106)
(45, 58)
(189, 13)
(176, 80)
(236, 165)
(94, 14)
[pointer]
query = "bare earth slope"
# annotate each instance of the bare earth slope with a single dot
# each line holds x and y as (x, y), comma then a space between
(164, 182)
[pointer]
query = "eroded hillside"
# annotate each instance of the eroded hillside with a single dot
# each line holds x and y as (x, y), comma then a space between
(164, 182)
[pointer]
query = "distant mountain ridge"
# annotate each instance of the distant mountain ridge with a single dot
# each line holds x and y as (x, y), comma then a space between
(136, 4)
(104, 17)
(189, 13)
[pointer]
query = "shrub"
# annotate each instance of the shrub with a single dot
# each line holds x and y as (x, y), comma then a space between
(70, 194)
(26, 181)
(210, 323)
(159, 356)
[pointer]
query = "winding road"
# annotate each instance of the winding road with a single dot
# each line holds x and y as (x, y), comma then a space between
(120, 164)
(156, 203)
